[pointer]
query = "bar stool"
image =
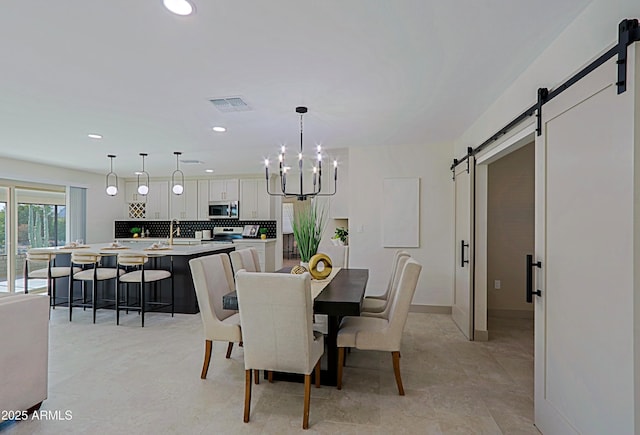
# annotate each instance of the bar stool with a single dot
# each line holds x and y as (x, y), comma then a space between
(92, 272)
(51, 272)
(140, 276)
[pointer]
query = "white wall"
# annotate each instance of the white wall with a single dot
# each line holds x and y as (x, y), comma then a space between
(102, 210)
(588, 36)
(367, 169)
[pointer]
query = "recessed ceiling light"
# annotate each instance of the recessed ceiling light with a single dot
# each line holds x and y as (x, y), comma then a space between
(95, 136)
(219, 129)
(178, 7)
(208, 170)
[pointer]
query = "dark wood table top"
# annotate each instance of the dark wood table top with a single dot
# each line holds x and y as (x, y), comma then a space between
(341, 297)
(344, 294)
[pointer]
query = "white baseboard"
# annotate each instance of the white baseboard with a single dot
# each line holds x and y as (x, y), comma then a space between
(480, 335)
(432, 309)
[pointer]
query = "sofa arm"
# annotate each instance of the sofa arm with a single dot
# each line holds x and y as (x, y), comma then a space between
(24, 351)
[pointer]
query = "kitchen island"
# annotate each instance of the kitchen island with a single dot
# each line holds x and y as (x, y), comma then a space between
(174, 257)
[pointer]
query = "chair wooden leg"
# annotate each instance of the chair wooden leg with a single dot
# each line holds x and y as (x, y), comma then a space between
(256, 374)
(307, 397)
(318, 374)
(247, 395)
(208, 344)
(229, 348)
(396, 370)
(340, 365)
(270, 376)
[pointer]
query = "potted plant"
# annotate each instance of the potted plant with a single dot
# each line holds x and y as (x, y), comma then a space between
(263, 233)
(135, 231)
(308, 222)
(340, 237)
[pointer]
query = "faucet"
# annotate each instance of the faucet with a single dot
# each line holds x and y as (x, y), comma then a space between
(172, 231)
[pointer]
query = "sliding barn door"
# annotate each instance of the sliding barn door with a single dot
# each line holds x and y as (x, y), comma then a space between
(462, 309)
(584, 316)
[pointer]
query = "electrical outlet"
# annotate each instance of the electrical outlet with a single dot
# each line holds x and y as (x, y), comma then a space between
(496, 284)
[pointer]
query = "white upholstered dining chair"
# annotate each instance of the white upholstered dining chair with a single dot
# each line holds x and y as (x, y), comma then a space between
(212, 279)
(374, 333)
(276, 312)
(246, 259)
(373, 304)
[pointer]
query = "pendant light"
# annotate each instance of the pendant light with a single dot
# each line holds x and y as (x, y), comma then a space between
(112, 179)
(177, 187)
(143, 188)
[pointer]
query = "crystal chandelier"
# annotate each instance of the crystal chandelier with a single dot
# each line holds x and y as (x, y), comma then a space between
(317, 171)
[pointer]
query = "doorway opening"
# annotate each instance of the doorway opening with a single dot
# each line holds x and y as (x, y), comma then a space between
(509, 235)
(510, 232)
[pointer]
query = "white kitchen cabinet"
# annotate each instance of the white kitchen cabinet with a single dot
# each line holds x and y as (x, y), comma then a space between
(254, 200)
(203, 200)
(185, 206)
(131, 192)
(158, 200)
(224, 190)
(134, 203)
(266, 251)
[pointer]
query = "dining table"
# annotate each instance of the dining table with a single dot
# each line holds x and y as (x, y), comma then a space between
(342, 296)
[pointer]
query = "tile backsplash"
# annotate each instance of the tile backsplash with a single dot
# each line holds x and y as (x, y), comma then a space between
(122, 229)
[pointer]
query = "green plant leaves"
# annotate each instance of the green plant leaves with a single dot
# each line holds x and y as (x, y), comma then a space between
(309, 219)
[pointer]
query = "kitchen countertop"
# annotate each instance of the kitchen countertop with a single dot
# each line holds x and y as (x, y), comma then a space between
(258, 239)
(157, 239)
(184, 250)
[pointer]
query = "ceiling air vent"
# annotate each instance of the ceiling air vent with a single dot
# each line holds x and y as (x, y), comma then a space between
(231, 104)
(192, 162)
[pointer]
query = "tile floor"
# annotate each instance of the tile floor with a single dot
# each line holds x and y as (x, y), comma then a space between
(127, 379)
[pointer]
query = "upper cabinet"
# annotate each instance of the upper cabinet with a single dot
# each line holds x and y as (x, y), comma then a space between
(203, 200)
(254, 200)
(193, 204)
(158, 200)
(154, 205)
(185, 206)
(224, 190)
(131, 192)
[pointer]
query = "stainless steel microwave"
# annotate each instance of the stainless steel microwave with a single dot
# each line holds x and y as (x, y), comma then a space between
(223, 210)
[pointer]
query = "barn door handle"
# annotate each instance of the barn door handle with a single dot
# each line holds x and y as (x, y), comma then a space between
(530, 266)
(462, 246)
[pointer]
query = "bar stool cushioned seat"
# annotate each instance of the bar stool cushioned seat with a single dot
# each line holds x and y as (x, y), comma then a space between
(95, 273)
(50, 272)
(140, 276)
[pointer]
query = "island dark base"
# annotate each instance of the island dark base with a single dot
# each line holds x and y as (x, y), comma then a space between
(185, 300)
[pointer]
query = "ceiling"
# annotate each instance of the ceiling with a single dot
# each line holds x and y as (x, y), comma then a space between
(372, 72)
